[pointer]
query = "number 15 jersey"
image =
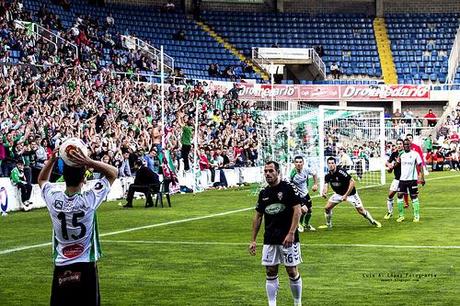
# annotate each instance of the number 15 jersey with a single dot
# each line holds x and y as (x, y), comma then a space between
(75, 233)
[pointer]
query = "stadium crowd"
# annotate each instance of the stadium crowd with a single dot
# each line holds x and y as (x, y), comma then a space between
(42, 106)
(54, 95)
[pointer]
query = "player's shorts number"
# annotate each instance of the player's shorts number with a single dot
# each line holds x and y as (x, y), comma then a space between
(75, 223)
(273, 254)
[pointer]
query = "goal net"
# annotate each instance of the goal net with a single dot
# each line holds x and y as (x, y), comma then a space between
(289, 130)
(355, 137)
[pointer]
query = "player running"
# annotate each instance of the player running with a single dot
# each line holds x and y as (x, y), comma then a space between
(344, 189)
(299, 177)
(408, 184)
(394, 166)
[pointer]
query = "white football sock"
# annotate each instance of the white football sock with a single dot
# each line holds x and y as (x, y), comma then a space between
(271, 285)
(296, 289)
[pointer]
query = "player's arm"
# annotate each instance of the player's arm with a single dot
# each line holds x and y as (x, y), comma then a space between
(421, 173)
(351, 185)
(289, 240)
(325, 189)
(109, 171)
(315, 183)
(45, 173)
(256, 222)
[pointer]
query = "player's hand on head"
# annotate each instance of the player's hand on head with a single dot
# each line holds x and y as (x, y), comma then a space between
(77, 156)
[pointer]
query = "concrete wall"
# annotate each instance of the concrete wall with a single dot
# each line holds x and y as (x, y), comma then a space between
(421, 6)
(315, 7)
(323, 6)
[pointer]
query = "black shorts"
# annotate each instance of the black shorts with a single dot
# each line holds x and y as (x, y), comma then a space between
(408, 187)
(75, 284)
(306, 201)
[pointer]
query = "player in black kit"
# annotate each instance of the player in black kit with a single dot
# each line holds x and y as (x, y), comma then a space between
(279, 204)
(394, 165)
(344, 189)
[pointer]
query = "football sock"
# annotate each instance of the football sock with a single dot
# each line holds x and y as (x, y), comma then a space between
(368, 216)
(416, 207)
(390, 205)
(307, 218)
(401, 207)
(271, 285)
(328, 215)
(296, 289)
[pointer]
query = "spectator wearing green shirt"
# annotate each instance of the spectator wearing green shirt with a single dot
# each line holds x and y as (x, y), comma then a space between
(428, 144)
(18, 179)
(186, 142)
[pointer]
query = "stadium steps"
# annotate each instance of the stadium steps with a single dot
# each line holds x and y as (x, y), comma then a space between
(232, 49)
(384, 49)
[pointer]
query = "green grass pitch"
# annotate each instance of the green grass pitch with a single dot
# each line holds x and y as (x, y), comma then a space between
(195, 253)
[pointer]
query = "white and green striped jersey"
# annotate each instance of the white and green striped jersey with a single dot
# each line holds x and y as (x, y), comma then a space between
(300, 179)
(409, 162)
(75, 233)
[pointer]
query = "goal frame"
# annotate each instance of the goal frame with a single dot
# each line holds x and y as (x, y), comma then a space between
(321, 119)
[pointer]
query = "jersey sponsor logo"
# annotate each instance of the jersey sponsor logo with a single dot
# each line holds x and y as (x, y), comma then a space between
(98, 186)
(275, 208)
(73, 250)
(69, 277)
(3, 199)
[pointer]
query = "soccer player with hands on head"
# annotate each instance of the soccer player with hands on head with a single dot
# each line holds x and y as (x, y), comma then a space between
(75, 234)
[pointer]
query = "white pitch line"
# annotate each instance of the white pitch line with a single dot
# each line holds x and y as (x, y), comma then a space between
(27, 247)
(394, 246)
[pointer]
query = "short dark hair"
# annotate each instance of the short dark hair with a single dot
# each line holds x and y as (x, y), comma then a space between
(274, 163)
(409, 135)
(399, 139)
(298, 157)
(73, 176)
(330, 158)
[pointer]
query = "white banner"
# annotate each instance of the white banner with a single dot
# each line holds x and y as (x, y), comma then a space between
(9, 193)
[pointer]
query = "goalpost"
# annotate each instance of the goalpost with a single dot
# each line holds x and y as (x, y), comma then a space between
(355, 136)
(290, 129)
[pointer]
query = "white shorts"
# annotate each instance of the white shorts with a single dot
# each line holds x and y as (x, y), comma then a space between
(274, 254)
(353, 199)
(394, 185)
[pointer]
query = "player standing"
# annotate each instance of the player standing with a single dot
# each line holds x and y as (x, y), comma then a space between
(408, 184)
(75, 233)
(299, 177)
(279, 204)
(344, 189)
(394, 166)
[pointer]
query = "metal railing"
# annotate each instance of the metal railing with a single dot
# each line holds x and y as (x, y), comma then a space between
(399, 127)
(47, 35)
(134, 43)
(454, 58)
